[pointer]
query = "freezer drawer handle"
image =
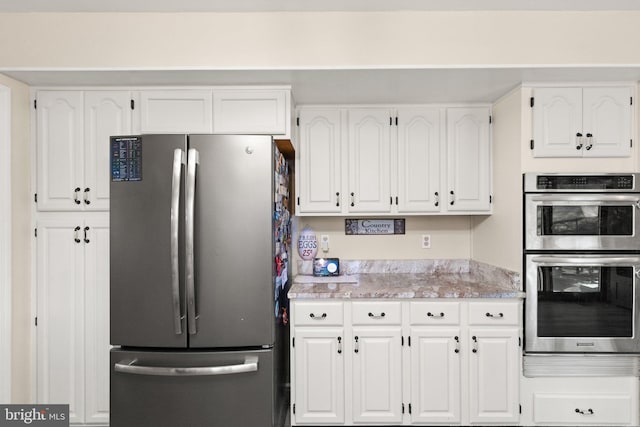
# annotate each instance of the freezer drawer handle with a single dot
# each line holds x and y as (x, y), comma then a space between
(313, 316)
(587, 412)
(129, 367)
(178, 159)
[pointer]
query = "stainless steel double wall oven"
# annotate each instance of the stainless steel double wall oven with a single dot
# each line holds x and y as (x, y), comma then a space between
(582, 262)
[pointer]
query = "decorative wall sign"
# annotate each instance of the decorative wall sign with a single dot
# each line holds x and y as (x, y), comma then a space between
(373, 226)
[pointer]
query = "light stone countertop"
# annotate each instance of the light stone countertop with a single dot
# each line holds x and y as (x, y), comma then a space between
(410, 279)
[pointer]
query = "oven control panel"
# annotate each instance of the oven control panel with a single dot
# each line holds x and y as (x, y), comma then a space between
(577, 183)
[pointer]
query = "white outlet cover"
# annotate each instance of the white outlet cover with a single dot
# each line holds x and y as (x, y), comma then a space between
(426, 241)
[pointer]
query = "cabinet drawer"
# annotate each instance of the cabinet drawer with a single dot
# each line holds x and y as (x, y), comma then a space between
(376, 313)
(435, 313)
(319, 313)
(494, 313)
(577, 409)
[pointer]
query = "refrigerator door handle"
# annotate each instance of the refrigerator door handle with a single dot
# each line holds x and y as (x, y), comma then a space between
(178, 160)
(192, 161)
(129, 367)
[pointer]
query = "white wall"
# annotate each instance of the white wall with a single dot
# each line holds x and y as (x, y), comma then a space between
(20, 240)
(318, 39)
(497, 239)
(450, 238)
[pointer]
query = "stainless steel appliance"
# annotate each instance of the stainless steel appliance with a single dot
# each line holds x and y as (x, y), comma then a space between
(199, 239)
(582, 263)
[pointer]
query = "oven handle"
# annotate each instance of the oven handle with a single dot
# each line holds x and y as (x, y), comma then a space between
(595, 199)
(584, 260)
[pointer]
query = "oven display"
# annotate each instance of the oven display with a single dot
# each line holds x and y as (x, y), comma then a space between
(585, 301)
(584, 182)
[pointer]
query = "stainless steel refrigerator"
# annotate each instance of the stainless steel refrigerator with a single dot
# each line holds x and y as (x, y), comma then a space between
(198, 281)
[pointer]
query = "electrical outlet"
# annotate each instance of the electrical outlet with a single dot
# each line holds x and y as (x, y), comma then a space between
(324, 243)
(426, 241)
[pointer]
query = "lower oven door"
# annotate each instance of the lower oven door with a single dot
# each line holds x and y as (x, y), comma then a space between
(581, 303)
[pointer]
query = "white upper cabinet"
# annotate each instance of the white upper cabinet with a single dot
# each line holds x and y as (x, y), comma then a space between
(72, 139)
(419, 160)
(369, 161)
(469, 160)
(320, 151)
(60, 150)
(252, 111)
(577, 122)
(176, 111)
(106, 113)
(405, 160)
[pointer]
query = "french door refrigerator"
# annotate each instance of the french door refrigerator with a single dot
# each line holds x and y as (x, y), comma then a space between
(198, 253)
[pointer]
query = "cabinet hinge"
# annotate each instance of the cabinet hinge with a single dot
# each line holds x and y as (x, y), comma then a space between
(531, 102)
(297, 121)
(35, 104)
(294, 408)
(490, 119)
(35, 197)
(133, 104)
(531, 144)
(36, 320)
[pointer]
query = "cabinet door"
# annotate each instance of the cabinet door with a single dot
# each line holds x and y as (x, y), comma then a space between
(377, 374)
(469, 159)
(419, 157)
(176, 111)
(494, 375)
(435, 374)
(557, 119)
(262, 112)
(319, 379)
(607, 117)
(369, 161)
(320, 168)
(60, 314)
(96, 284)
(60, 157)
(106, 113)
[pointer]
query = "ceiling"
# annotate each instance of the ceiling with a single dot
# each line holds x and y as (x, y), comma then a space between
(306, 5)
(373, 85)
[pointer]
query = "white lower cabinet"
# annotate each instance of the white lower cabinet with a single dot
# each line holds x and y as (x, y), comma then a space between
(406, 362)
(73, 343)
(571, 401)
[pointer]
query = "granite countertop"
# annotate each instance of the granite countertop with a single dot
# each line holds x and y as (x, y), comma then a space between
(409, 279)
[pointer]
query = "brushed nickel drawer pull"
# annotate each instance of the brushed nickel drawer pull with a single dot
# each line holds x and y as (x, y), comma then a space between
(494, 315)
(381, 315)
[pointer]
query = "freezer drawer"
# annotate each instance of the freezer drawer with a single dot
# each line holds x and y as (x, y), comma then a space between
(192, 389)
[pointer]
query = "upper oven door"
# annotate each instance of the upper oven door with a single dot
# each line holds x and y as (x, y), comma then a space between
(582, 222)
